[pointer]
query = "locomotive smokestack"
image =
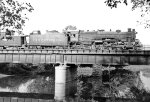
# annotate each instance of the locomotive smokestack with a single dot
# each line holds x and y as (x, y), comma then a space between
(133, 30)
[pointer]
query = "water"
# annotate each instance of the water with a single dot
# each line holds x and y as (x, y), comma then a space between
(125, 84)
(145, 78)
(25, 84)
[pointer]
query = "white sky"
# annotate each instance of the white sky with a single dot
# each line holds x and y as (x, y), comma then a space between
(85, 15)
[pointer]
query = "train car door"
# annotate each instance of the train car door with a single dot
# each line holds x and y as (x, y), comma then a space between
(23, 40)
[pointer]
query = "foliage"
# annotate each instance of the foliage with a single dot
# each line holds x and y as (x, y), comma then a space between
(119, 86)
(26, 69)
(143, 5)
(136, 3)
(122, 81)
(114, 3)
(70, 27)
(141, 95)
(43, 85)
(13, 14)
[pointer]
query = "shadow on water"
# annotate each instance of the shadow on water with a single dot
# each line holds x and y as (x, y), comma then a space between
(27, 95)
(13, 81)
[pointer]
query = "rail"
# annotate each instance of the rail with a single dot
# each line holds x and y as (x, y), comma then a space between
(146, 47)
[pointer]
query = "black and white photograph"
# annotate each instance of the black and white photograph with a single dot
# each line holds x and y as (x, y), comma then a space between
(74, 50)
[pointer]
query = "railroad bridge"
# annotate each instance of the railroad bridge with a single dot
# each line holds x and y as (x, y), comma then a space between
(72, 56)
(76, 57)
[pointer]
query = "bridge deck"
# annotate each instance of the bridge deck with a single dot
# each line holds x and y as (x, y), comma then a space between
(76, 56)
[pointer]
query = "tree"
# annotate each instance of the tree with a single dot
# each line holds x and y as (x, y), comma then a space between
(13, 14)
(143, 5)
(136, 3)
(70, 27)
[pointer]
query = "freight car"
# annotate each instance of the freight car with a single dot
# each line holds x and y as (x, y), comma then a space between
(12, 42)
(49, 40)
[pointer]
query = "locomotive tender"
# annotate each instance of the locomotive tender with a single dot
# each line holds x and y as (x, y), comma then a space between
(75, 39)
(48, 40)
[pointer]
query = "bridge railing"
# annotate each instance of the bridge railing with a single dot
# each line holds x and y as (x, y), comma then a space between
(73, 51)
(146, 47)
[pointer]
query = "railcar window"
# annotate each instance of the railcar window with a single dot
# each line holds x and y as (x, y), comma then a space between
(22, 40)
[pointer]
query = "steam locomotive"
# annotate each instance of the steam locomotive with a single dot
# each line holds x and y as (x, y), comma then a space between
(71, 38)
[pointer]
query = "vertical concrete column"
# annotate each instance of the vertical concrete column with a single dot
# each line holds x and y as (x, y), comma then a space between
(60, 82)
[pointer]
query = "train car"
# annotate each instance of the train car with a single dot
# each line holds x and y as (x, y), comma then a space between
(48, 40)
(12, 42)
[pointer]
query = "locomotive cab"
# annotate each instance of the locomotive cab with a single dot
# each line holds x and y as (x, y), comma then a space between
(72, 36)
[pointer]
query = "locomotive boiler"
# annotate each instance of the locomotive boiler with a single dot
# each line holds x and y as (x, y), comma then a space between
(101, 39)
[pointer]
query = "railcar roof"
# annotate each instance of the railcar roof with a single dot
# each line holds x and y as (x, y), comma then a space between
(53, 33)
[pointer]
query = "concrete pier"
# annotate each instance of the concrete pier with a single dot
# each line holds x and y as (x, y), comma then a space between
(60, 82)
